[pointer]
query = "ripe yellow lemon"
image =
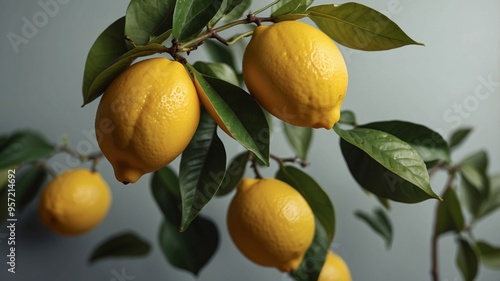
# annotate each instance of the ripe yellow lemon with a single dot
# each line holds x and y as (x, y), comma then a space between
(334, 269)
(74, 202)
(147, 117)
(297, 73)
(271, 223)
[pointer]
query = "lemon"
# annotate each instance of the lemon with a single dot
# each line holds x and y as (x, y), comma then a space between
(297, 73)
(147, 117)
(271, 223)
(334, 269)
(74, 202)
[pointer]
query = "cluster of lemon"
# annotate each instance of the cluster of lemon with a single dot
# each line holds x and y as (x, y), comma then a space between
(150, 112)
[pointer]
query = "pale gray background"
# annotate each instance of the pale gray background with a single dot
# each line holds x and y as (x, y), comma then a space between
(41, 89)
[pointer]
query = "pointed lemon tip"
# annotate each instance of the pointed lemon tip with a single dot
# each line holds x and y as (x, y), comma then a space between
(292, 265)
(127, 175)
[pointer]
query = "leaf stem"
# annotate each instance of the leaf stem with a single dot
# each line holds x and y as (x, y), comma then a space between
(281, 161)
(266, 7)
(255, 166)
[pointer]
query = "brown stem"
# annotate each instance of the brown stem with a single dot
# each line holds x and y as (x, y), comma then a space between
(302, 163)
(255, 166)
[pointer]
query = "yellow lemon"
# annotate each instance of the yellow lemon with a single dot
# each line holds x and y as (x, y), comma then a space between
(334, 269)
(271, 223)
(147, 117)
(297, 73)
(74, 202)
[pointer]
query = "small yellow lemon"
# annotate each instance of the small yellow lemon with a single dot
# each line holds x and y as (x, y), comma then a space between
(147, 117)
(271, 223)
(297, 73)
(334, 269)
(74, 202)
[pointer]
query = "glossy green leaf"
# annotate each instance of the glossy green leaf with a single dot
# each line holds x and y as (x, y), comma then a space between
(190, 17)
(219, 70)
(167, 193)
(202, 169)
(475, 183)
(234, 173)
(147, 19)
(126, 244)
(285, 7)
(226, 7)
(314, 258)
(489, 255)
(458, 137)
(220, 53)
(449, 214)
(385, 165)
(318, 200)
(108, 74)
(238, 11)
(348, 117)
(108, 47)
(467, 260)
(299, 139)
(429, 145)
(378, 222)
(192, 249)
(22, 147)
(241, 114)
(359, 27)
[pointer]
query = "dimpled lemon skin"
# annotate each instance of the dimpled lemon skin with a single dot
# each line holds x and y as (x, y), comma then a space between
(74, 202)
(334, 269)
(147, 117)
(297, 73)
(270, 223)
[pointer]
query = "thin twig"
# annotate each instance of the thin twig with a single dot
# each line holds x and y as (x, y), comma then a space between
(255, 166)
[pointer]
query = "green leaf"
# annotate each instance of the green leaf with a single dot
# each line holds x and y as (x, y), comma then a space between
(429, 145)
(492, 202)
(192, 249)
(226, 7)
(490, 255)
(22, 147)
(385, 165)
(238, 11)
(167, 193)
(299, 139)
(285, 7)
(458, 136)
(109, 46)
(219, 70)
(478, 159)
(202, 169)
(359, 27)
(313, 193)
(28, 183)
(378, 222)
(314, 258)
(190, 17)
(234, 173)
(384, 202)
(219, 53)
(449, 214)
(147, 19)
(467, 260)
(477, 178)
(126, 244)
(239, 112)
(348, 117)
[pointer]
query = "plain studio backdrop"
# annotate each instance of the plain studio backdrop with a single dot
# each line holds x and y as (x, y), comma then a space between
(435, 85)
